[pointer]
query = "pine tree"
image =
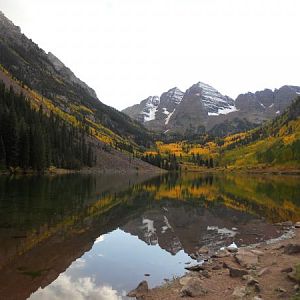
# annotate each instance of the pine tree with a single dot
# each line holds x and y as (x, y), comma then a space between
(24, 148)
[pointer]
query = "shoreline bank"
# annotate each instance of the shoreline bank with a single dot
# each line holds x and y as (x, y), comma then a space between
(269, 270)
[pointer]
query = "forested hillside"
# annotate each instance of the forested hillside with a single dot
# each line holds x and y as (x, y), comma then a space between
(276, 143)
(52, 81)
(30, 139)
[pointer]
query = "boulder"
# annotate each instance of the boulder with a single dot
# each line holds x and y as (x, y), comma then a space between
(185, 279)
(221, 253)
(195, 268)
(236, 272)
(239, 292)
(140, 291)
(233, 248)
(295, 275)
(292, 249)
(203, 250)
(297, 225)
(246, 258)
(193, 288)
(250, 280)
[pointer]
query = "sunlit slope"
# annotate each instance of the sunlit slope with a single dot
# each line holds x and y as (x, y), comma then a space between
(273, 145)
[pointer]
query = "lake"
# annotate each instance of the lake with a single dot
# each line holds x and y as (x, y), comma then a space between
(96, 237)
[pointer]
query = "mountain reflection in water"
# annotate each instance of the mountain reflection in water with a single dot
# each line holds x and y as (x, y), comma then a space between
(78, 237)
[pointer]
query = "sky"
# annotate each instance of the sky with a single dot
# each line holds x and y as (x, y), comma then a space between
(128, 50)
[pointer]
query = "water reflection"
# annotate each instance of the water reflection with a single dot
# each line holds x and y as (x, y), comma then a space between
(99, 229)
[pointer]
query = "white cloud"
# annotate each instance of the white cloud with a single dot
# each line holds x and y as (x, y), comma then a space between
(79, 263)
(64, 287)
(127, 50)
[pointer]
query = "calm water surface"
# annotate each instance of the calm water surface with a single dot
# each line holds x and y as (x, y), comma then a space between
(97, 237)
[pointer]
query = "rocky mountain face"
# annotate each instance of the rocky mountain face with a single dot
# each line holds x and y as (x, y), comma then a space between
(155, 112)
(202, 108)
(33, 68)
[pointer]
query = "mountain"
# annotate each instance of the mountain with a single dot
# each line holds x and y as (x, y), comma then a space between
(204, 109)
(50, 87)
(199, 103)
(155, 112)
(48, 76)
(175, 111)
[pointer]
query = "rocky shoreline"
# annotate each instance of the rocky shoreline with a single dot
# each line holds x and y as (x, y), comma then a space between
(269, 270)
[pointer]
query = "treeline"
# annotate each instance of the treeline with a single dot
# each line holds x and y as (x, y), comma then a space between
(30, 139)
(198, 160)
(168, 163)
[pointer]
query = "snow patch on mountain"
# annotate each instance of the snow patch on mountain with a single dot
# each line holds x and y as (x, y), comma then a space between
(165, 111)
(214, 102)
(150, 108)
(168, 117)
(224, 111)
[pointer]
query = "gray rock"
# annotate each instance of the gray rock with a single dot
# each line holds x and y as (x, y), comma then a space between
(292, 249)
(236, 272)
(195, 268)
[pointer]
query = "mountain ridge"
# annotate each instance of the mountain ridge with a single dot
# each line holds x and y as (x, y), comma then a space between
(202, 108)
